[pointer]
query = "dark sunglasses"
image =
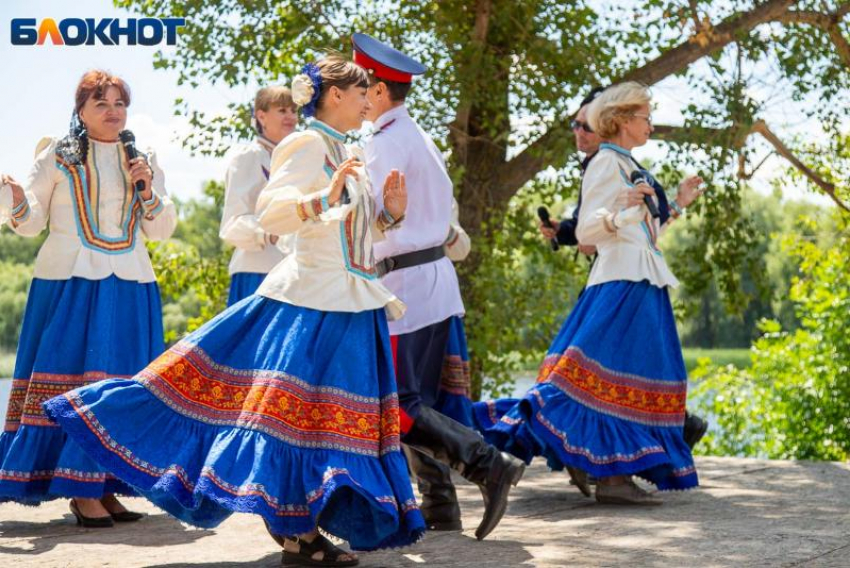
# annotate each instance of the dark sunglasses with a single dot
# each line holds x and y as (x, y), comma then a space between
(576, 124)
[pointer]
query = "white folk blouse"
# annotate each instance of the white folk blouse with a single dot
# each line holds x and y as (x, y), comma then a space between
(247, 175)
(626, 253)
(332, 267)
(97, 221)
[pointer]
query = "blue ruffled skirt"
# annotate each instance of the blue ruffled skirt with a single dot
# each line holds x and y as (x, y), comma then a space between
(75, 332)
(273, 409)
(453, 399)
(610, 395)
(242, 285)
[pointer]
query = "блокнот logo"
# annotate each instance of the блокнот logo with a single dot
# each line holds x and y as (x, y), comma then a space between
(89, 31)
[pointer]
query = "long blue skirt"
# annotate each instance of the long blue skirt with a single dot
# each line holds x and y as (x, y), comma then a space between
(273, 409)
(453, 399)
(610, 395)
(75, 332)
(242, 285)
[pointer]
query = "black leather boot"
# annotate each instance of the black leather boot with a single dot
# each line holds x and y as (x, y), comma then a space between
(694, 429)
(439, 503)
(466, 452)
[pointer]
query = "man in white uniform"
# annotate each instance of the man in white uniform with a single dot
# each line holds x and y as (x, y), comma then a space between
(418, 272)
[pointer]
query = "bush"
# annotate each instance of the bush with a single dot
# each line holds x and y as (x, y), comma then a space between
(794, 401)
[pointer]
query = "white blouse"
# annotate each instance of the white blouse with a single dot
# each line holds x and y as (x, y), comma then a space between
(247, 174)
(629, 252)
(94, 215)
(332, 267)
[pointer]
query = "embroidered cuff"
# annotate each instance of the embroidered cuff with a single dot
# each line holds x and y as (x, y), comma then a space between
(152, 206)
(387, 222)
(21, 213)
(675, 209)
(313, 207)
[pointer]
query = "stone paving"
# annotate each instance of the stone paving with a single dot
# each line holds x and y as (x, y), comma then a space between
(747, 513)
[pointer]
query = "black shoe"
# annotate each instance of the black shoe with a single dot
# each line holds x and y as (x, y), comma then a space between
(126, 517)
(90, 522)
(694, 429)
(465, 451)
(439, 503)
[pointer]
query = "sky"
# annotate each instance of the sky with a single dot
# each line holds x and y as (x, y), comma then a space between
(36, 100)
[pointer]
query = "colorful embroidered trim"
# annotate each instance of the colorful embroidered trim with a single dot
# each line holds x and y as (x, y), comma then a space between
(283, 406)
(21, 213)
(455, 376)
(311, 207)
(152, 206)
(246, 490)
(28, 395)
(355, 230)
(62, 473)
(630, 397)
(85, 191)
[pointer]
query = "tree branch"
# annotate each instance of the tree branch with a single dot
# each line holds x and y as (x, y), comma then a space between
(680, 135)
(829, 188)
(549, 147)
(829, 22)
(459, 127)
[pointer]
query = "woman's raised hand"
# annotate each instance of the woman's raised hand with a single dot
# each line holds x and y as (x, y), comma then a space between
(17, 190)
(338, 180)
(689, 190)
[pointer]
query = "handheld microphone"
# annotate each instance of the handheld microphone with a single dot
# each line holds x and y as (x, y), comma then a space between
(639, 177)
(543, 213)
(128, 140)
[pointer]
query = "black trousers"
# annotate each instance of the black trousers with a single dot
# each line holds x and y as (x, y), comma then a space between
(419, 366)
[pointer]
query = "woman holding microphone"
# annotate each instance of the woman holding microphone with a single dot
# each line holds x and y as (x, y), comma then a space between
(610, 394)
(93, 309)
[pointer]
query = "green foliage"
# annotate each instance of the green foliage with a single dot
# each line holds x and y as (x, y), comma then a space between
(794, 401)
(191, 268)
(14, 283)
(17, 249)
(527, 291)
(696, 357)
(764, 281)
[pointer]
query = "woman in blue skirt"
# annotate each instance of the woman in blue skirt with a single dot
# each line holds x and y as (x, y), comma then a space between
(93, 310)
(256, 252)
(284, 405)
(610, 395)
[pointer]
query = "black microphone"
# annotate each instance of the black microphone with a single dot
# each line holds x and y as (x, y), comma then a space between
(639, 177)
(543, 213)
(129, 142)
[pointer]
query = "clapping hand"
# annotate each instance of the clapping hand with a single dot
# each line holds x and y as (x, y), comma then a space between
(347, 168)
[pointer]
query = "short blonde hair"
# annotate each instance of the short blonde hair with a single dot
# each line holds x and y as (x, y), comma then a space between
(273, 97)
(614, 105)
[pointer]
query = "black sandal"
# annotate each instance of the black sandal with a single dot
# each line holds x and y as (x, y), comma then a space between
(306, 550)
